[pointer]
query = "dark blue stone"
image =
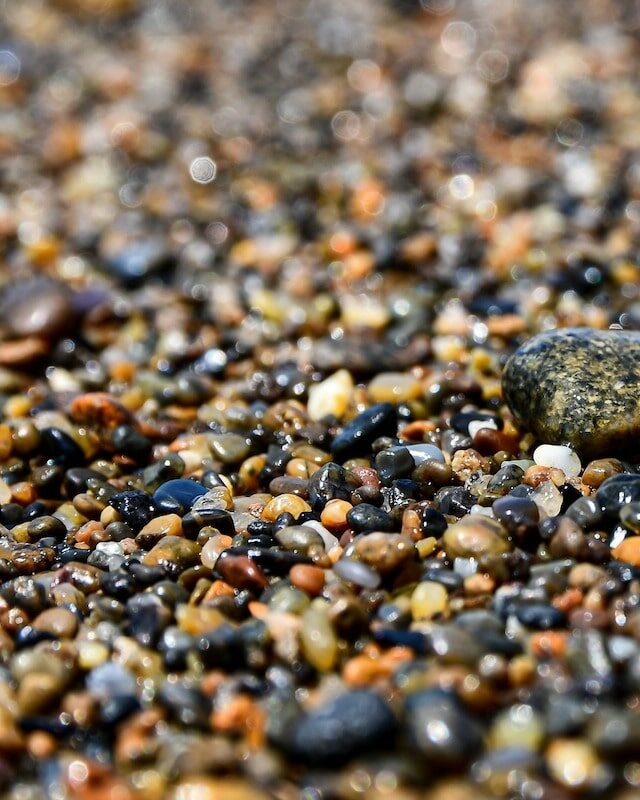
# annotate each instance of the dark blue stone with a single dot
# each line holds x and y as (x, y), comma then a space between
(358, 436)
(540, 616)
(617, 491)
(180, 489)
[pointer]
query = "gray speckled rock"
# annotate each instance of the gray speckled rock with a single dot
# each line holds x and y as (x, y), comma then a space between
(578, 386)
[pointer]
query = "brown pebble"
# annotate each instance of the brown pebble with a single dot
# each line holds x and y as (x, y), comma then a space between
(599, 470)
(60, 622)
(308, 578)
(155, 529)
(242, 573)
(100, 409)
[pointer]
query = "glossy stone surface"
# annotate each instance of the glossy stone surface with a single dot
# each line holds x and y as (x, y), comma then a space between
(578, 387)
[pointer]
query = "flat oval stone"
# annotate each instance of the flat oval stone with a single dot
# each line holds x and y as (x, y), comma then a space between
(182, 490)
(579, 387)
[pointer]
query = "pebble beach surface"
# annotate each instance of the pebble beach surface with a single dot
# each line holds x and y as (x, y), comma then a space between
(319, 416)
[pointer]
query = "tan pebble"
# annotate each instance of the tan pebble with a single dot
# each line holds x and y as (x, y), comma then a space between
(308, 578)
(464, 462)
(285, 502)
(318, 640)
(331, 397)
(299, 468)
(198, 619)
(475, 535)
(394, 387)
(572, 763)
(202, 787)
(428, 599)
(583, 576)
(599, 470)
(334, 515)
(38, 691)
(109, 515)
(5, 492)
(212, 549)
(426, 546)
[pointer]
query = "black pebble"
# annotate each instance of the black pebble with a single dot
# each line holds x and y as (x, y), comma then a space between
(352, 723)
(358, 436)
(364, 518)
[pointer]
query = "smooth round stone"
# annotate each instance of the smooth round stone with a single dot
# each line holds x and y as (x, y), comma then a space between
(173, 552)
(586, 512)
(182, 490)
(423, 452)
(384, 552)
(517, 514)
(441, 731)
(475, 535)
(517, 726)
(577, 386)
(365, 517)
(356, 572)
(428, 599)
(617, 492)
(299, 538)
(111, 680)
(39, 307)
(558, 456)
(354, 722)
(630, 517)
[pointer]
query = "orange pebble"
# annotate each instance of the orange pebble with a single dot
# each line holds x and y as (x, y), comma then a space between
(549, 644)
(334, 515)
(308, 578)
(568, 600)
(629, 551)
(41, 745)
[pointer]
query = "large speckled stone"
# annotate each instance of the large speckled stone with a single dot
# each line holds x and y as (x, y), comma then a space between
(578, 386)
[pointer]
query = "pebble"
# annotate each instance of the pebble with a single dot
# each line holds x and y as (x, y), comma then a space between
(428, 599)
(364, 518)
(318, 640)
(331, 397)
(357, 573)
(575, 387)
(475, 535)
(173, 553)
(355, 722)
(358, 435)
(184, 491)
(573, 763)
(559, 457)
(39, 307)
(440, 731)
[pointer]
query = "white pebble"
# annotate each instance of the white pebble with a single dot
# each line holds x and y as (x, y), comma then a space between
(465, 566)
(478, 424)
(559, 456)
